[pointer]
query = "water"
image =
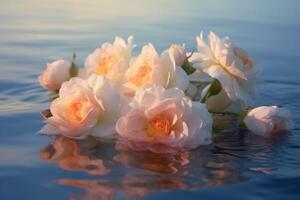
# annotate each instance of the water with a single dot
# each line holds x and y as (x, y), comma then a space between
(237, 166)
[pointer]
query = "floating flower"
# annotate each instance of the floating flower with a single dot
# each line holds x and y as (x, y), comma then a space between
(150, 69)
(159, 118)
(111, 60)
(223, 60)
(55, 74)
(266, 120)
(221, 102)
(154, 101)
(178, 52)
(84, 107)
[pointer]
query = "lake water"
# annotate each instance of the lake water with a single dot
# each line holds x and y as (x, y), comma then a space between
(237, 166)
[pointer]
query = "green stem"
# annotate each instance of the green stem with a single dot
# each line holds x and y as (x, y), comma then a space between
(214, 89)
(186, 66)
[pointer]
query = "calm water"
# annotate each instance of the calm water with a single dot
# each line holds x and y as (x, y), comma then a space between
(237, 166)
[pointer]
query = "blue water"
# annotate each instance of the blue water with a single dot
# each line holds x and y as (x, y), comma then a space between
(237, 166)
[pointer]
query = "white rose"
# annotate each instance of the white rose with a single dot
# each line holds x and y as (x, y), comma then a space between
(223, 60)
(266, 120)
(55, 74)
(178, 52)
(221, 102)
(150, 69)
(157, 116)
(111, 60)
(84, 107)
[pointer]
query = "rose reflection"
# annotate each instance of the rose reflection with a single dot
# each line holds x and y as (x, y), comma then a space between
(131, 186)
(135, 174)
(69, 155)
(162, 163)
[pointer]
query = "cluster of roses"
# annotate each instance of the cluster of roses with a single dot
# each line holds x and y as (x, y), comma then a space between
(157, 101)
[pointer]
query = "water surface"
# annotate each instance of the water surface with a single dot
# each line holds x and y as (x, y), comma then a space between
(237, 166)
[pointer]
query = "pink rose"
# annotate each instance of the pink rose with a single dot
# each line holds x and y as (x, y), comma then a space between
(84, 107)
(157, 116)
(55, 74)
(266, 120)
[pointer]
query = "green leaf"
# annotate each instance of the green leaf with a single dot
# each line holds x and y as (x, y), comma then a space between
(74, 68)
(74, 57)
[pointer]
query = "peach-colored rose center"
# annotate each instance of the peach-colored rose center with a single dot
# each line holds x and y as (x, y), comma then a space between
(105, 62)
(75, 109)
(159, 126)
(142, 75)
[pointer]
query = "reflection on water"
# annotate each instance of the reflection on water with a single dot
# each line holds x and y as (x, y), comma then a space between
(75, 155)
(160, 163)
(230, 160)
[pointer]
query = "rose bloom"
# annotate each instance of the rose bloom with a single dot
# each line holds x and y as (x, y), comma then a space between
(223, 60)
(111, 60)
(221, 102)
(267, 120)
(157, 119)
(55, 74)
(150, 69)
(84, 107)
(179, 53)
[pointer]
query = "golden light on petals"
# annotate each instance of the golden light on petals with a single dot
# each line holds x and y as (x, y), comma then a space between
(142, 76)
(159, 126)
(75, 109)
(105, 63)
(244, 58)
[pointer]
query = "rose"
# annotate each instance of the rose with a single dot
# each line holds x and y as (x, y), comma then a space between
(111, 60)
(266, 120)
(157, 116)
(84, 107)
(221, 102)
(55, 74)
(178, 52)
(223, 60)
(150, 69)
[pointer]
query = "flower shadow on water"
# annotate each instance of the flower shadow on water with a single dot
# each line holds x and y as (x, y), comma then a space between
(113, 169)
(74, 155)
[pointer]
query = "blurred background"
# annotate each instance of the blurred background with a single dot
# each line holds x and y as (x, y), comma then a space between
(34, 32)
